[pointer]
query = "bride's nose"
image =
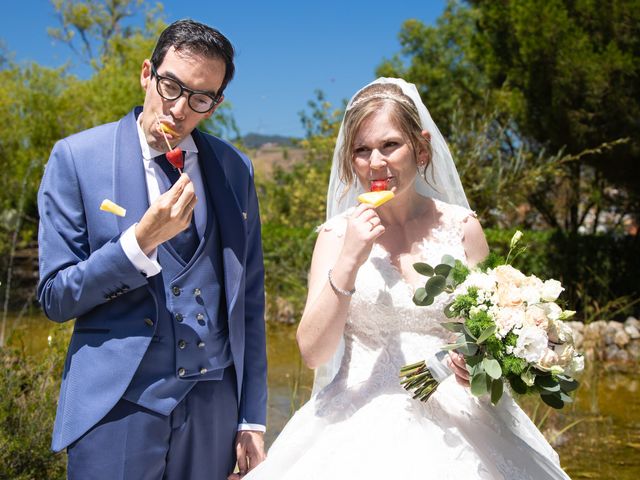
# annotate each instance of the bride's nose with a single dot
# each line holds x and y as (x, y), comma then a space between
(377, 160)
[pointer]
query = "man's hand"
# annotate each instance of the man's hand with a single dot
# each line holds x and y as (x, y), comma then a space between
(459, 368)
(249, 450)
(167, 216)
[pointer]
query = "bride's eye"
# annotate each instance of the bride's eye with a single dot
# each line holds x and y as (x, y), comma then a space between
(390, 144)
(359, 151)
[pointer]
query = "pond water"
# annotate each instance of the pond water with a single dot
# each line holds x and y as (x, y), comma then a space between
(597, 437)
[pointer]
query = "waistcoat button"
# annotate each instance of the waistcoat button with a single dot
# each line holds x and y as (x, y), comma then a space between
(176, 291)
(203, 371)
(181, 372)
(200, 344)
(182, 344)
(179, 317)
(197, 292)
(148, 321)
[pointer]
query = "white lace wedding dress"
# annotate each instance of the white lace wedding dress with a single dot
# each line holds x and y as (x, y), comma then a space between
(364, 425)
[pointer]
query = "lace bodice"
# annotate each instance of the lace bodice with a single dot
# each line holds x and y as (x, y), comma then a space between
(384, 328)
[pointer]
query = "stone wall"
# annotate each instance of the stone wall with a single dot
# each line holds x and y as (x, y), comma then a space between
(608, 340)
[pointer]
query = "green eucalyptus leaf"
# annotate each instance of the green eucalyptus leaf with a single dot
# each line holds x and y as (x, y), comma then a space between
(454, 346)
(448, 311)
(423, 268)
(548, 383)
(492, 367)
(442, 269)
(518, 385)
(448, 260)
(486, 333)
(565, 398)
(427, 301)
(474, 360)
(457, 327)
(470, 336)
(479, 384)
(552, 400)
(419, 295)
(468, 349)
(497, 388)
(568, 384)
(435, 285)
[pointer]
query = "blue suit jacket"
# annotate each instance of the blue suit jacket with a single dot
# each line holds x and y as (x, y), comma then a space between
(85, 274)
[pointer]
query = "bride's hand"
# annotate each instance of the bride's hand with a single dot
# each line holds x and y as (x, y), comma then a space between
(459, 368)
(363, 227)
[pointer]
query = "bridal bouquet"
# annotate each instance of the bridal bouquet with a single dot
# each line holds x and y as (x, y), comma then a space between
(509, 328)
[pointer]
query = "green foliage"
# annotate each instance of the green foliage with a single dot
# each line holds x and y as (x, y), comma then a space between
(28, 395)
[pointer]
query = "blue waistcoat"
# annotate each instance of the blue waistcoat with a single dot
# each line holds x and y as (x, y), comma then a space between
(191, 342)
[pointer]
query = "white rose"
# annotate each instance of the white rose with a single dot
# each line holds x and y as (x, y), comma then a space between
(531, 344)
(552, 310)
(482, 281)
(548, 360)
(551, 290)
(508, 318)
(508, 274)
(509, 295)
(535, 316)
(531, 288)
(559, 332)
(576, 365)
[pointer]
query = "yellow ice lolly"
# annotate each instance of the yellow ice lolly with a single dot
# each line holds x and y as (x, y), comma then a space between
(375, 199)
(111, 207)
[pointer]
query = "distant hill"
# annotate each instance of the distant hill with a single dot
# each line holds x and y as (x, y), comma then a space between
(256, 140)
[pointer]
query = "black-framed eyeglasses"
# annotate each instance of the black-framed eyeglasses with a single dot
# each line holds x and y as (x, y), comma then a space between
(171, 89)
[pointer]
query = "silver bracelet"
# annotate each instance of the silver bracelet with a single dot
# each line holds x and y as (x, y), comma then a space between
(346, 293)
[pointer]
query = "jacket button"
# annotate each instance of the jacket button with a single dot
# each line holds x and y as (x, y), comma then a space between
(203, 371)
(200, 344)
(148, 321)
(179, 317)
(197, 292)
(182, 344)
(199, 317)
(176, 291)
(181, 372)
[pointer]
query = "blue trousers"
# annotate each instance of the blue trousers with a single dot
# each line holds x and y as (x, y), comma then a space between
(196, 441)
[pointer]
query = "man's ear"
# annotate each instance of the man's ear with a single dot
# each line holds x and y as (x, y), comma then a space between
(218, 103)
(145, 74)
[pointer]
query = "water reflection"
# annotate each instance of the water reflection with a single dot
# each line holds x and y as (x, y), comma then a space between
(598, 437)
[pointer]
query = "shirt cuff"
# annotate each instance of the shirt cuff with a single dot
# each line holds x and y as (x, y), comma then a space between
(146, 265)
(252, 426)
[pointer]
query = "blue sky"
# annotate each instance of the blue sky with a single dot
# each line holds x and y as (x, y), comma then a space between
(285, 49)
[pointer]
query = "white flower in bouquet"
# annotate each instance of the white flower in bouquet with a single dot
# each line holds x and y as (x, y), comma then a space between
(508, 318)
(531, 344)
(506, 274)
(559, 332)
(551, 290)
(531, 290)
(576, 366)
(509, 329)
(552, 310)
(535, 316)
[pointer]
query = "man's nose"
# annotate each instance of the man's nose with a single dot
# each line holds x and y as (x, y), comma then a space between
(180, 107)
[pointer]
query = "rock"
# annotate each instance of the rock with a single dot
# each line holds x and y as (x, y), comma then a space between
(619, 356)
(633, 322)
(621, 338)
(632, 331)
(576, 326)
(633, 349)
(611, 352)
(284, 311)
(578, 340)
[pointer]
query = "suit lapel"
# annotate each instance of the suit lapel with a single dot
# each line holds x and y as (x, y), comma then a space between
(229, 215)
(129, 183)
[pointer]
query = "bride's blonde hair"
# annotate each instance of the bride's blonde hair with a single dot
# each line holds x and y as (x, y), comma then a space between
(403, 114)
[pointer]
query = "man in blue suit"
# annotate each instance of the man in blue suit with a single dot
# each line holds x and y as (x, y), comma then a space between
(165, 376)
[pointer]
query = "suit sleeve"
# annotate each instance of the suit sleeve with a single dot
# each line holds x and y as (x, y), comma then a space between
(253, 404)
(74, 278)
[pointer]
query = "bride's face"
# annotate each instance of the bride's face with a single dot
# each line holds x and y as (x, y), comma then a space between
(380, 152)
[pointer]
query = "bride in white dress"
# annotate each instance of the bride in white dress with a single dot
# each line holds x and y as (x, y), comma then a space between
(360, 324)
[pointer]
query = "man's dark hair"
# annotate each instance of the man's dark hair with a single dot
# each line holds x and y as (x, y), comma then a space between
(199, 39)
